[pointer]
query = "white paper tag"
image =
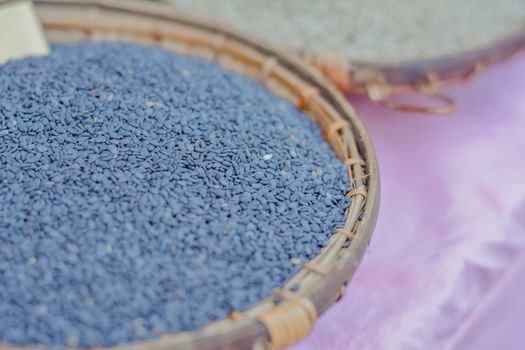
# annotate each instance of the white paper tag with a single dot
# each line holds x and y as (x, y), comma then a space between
(20, 32)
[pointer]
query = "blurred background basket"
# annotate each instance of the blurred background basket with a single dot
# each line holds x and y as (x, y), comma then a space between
(380, 81)
(289, 314)
(382, 48)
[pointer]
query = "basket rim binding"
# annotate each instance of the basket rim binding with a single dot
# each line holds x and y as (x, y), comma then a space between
(426, 76)
(289, 314)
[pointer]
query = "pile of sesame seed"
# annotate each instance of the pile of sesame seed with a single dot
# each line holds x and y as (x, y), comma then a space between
(143, 192)
(379, 31)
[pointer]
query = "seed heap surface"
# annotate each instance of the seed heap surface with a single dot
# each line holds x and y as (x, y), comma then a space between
(143, 192)
(380, 31)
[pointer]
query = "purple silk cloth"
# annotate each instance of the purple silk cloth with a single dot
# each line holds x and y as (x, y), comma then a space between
(446, 266)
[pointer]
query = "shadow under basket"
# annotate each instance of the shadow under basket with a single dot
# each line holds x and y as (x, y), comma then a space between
(289, 314)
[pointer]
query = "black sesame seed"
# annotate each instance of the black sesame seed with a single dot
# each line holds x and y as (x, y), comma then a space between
(143, 192)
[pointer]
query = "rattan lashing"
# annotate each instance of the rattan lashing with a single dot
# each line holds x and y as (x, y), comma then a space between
(381, 81)
(289, 314)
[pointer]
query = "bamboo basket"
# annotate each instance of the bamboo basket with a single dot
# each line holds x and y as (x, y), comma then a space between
(423, 76)
(289, 314)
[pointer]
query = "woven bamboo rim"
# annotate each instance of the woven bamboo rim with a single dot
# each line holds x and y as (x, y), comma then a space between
(290, 313)
(427, 76)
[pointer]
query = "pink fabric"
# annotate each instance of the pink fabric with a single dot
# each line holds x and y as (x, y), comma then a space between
(444, 269)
